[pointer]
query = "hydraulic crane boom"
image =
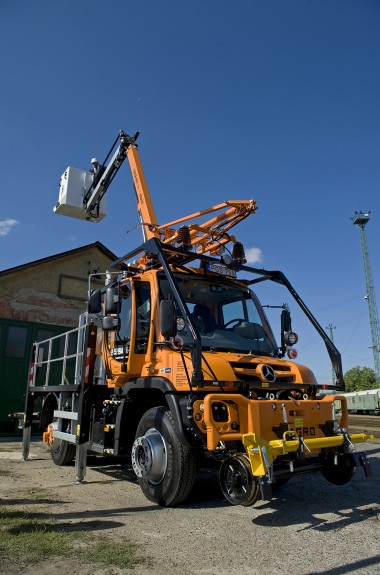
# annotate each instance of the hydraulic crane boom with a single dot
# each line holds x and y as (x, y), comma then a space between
(208, 236)
(144, 202)
(126, 148)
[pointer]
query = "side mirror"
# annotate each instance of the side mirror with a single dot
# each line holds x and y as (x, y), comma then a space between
(286, 326)
(95, 301)
(112, 300)
(110, 323)
(167, 318)
(286, 322)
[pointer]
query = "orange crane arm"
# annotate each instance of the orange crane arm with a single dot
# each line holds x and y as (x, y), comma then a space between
(204, 237)
(210, 235)
(144, 203)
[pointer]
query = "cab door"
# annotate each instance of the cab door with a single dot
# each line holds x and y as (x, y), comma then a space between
(135, 323)
(128, 344)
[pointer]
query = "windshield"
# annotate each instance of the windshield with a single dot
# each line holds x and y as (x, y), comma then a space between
(228, 316)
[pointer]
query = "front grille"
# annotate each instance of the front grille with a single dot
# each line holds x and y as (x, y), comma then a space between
(250, 372)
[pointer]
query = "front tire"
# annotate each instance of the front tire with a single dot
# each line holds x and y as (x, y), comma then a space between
(164, 466)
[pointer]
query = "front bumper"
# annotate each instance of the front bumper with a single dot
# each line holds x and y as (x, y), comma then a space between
(290, 431)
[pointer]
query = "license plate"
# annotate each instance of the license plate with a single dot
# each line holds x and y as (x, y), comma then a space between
(222, 270)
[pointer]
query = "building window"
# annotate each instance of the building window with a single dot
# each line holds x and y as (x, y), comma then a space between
(16, 341)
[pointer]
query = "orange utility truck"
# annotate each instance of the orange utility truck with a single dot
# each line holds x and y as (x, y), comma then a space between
(174, 365)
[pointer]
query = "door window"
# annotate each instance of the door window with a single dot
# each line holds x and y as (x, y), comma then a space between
(16, 342)
(125, 314)
(142, 316)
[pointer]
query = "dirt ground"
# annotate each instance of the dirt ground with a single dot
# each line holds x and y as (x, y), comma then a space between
(309, 528)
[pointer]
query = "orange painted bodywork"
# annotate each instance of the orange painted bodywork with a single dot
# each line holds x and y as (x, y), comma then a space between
(269, 429)
(263, 417)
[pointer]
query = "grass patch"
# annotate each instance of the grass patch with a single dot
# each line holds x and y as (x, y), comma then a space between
(30, 539)
(4, 472)
(106, 552)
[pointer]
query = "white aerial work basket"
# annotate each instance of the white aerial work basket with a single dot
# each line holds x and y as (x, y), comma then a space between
(73, 187)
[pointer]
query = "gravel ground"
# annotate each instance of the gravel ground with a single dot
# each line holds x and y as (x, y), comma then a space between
(309, 528)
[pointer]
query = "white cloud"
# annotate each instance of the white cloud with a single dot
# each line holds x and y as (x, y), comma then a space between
(6, 226)
(253, 255)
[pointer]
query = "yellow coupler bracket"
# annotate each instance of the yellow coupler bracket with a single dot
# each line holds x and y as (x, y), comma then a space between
(262, 453)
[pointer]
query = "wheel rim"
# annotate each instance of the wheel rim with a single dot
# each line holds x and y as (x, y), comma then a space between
(149, 456)
(237, 483)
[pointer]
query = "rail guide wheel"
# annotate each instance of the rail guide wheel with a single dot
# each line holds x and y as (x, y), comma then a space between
(237, 483)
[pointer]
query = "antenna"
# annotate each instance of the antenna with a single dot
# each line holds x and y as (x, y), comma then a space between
(361, 219)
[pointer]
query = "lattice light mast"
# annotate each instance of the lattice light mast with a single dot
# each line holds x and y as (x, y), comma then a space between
(361, 219)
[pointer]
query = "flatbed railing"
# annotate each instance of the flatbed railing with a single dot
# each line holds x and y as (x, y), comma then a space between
(60, 358)
(58, 367)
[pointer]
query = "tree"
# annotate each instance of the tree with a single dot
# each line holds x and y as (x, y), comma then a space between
(360, 378)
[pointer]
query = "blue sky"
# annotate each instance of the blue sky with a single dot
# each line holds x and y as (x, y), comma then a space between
(276, 100)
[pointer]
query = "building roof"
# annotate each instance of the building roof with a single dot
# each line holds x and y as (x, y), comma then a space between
(97, 245)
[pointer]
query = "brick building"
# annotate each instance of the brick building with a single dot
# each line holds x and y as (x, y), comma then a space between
(38, 300)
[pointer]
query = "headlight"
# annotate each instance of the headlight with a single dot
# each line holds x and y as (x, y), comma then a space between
(290, 338)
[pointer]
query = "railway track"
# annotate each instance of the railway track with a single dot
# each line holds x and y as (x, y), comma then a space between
(364, 423)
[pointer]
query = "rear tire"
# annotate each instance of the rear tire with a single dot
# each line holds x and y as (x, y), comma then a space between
(62, 452)
(164, 466)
